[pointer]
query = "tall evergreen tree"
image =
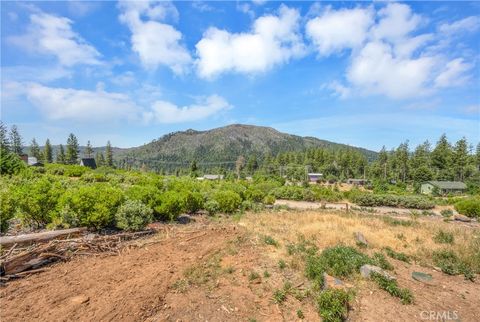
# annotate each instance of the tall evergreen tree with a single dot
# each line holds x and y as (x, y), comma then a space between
(61, 154)
(72, 149)
(108, 155)
(460, 158)
(16, 142)
(35, 150)
(99, 159)
(88, 150)
(4, 142)
(401, 154)
(48, 153)
(442, 159)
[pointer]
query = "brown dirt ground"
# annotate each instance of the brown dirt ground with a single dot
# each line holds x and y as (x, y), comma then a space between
(203, 272)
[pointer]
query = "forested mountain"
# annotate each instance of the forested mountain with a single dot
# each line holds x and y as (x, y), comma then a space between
(223, 145)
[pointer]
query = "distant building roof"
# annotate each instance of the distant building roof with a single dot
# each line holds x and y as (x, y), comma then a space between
(88, 162)
(316, 174)
(456, 185)
(357, 180)
(213, 176)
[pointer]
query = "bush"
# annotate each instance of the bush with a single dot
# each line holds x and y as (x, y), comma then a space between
(36, 200)
(255, 195)
(333, 305)
(446, 213)
(171, 205)
(269, 200)
(339, 261)
(397, 255)
(392, 288)
(212, 207)
(133, 215)
(228, 201)
(7, 208)
(75, 170)
(94, 177)
(451, 264)
(372, 200)
(469, 207)
(93, 205)
(193, 202)
(147, 194)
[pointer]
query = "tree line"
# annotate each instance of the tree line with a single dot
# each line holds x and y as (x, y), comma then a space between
(12, 146)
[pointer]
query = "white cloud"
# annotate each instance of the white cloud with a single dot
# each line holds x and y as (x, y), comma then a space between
(469, 24)
(52, 35)
(396, 21)
(334, 31)
(167, 112)
(202, 6)
(375, 70)
(156, 43)
(454, 74)
(273, 40)
(338, 89)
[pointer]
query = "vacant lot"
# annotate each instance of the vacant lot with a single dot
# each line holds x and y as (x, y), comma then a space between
(226, 270)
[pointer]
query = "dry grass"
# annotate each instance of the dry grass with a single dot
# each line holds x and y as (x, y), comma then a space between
(327, 228)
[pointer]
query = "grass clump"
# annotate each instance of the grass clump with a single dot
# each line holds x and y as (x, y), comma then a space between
(300, 314)
(303, 247)
(339, 261)
(397, 255)
(270, 241)
(281, 264)
(253, 276)
(391, 286)
(280, 295)
(266, 274)
(443, 237)
(380, 260)
(398, 222)
(333, 305)
(451, 264)
(446, 213)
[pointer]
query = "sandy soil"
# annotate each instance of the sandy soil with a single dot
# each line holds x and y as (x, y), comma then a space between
(203, 272)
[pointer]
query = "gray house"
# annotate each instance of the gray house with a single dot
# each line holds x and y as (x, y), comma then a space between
(443, 187)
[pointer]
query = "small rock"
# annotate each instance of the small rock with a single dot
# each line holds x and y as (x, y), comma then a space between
(422, 277)
(361, 239)
(330, 282)
(367, 269)
(462, 218)
(80, 299)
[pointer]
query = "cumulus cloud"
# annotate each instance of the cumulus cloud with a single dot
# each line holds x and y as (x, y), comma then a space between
(334, 31)
(388, 55)
(273, 40)
(155, 42)
(52, 35)
(167, 112)
(80, 105)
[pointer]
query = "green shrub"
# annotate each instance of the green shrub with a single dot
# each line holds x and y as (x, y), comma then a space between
(93, 205)
(171, 205)
(333, 305)
(37, 200)
(446, 213)
(7, 207)
(75, 170)
(212, 207)
(269, 200)
(444, 237)
(398, 201)
(451, 264)
(253, 194)
(148, 194)
(228, 201)
(94, 177)
(270, 241)
(380, 260)
(392, 288)
(397, 255)
(339, 261)
(193, 202)
(469, 207)
(133, 215)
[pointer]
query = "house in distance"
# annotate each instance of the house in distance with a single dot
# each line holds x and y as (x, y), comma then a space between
(443, 187)
(314, 177)
(88, 162)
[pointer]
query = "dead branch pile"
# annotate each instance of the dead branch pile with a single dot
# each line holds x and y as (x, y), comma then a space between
(19, 261)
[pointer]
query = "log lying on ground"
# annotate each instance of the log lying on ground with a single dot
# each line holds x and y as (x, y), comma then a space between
(40, 237)
(34, 256)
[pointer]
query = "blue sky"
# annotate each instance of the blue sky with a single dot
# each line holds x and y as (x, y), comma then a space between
(360, 73)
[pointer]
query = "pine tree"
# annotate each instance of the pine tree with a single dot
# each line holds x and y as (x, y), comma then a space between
(460, 160)
(88, 150)
(4, 142)
(99, 159)
(442, 158)
(16, 141)
(383, 161)
(193, 169)
(401, 154)
(35, 150)
(48, 153)
(61, 154)
(72, 149)
(108, 155)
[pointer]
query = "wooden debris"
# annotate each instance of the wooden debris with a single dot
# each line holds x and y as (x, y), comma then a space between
(39, 237)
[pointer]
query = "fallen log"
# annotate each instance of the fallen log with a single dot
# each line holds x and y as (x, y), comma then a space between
(39, 237)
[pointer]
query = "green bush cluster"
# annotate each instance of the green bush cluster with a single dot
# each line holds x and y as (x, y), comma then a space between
(373, 200)
(133, 215)
(314, 193)
(469, 207)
